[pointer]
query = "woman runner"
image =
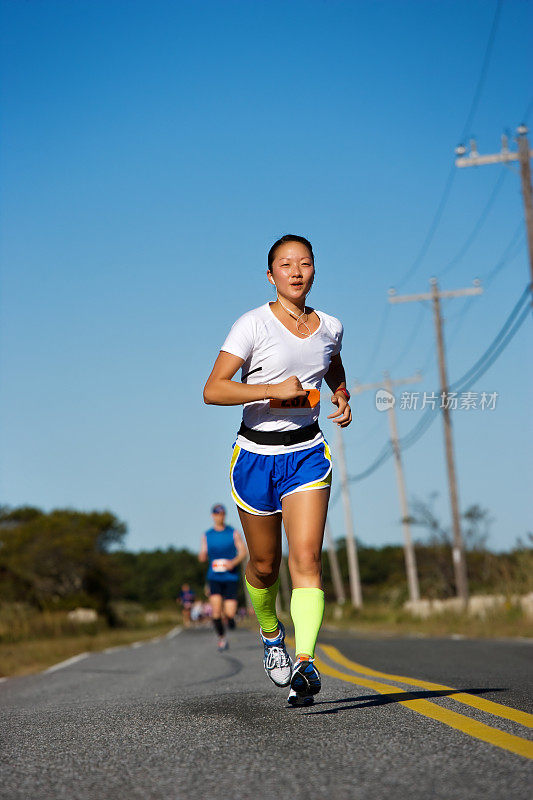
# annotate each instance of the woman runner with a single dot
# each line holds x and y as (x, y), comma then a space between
(281, 463)
(223, 547)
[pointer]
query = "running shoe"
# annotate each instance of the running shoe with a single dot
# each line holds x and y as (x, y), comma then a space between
(277, 662)
(305, 678)
(222, 645)
(295, 699)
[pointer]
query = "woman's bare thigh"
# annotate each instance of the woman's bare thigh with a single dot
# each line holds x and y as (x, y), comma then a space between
(263, 537)
(216, 605)
(304, 518)
(230, 608)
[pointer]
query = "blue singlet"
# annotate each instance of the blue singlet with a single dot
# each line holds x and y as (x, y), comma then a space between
(221, 547)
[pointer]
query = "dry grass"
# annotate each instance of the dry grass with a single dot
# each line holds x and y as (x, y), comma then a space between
(382, 619)
(31, 641)
(34, 655)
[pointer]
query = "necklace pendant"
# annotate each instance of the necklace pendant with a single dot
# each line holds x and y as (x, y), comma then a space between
(300, 320)
(303, 323)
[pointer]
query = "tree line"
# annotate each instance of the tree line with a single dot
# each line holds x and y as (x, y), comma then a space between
(65, 558)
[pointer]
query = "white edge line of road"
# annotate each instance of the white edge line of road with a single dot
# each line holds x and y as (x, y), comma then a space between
(62, 664)
(67, 662)
(170, 635)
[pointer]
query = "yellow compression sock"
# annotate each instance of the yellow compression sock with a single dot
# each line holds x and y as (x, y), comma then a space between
(264, 603)
(307, 610)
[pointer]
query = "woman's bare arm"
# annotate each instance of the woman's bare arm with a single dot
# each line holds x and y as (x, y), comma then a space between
(202, 555)
(335, 378)
(221, 390)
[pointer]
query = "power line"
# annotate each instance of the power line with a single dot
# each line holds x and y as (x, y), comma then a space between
(498, 344)
(494, 350)
(517, 239)
(429, 416)
(381, 332)
(527, 112)
(508, 255)
(432, 230)
(459, 255)
(449, 180)
(409, 341)
(504, 259)
(523, 156)
(444, 199)
(484, 70)
(420, 428)
(481, 366)
(384, 454)
(477, 227)
(496, 347)
(508, 331)
(518, 324)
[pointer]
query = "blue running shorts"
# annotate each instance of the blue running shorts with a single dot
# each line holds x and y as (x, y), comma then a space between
(259, 483)
(228, 589)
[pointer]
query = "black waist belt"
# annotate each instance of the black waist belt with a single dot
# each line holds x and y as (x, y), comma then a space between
(280, 437)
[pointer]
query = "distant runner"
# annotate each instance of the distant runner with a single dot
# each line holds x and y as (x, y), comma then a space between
(280, 458)
(224, 548)
(186, 599)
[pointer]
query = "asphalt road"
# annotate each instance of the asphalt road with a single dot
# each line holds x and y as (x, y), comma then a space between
(397, 718)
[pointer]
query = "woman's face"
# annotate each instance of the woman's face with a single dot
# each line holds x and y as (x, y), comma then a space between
(293, 271)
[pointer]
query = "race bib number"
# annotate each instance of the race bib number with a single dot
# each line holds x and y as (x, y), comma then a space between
(219, 565)
(296, 405)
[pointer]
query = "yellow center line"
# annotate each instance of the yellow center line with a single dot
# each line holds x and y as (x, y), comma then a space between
(478, 730)
(497, 709)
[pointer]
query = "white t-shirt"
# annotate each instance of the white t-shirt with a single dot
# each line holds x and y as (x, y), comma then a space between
(271, 354)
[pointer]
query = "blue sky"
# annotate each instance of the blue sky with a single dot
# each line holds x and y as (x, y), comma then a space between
(152, 152)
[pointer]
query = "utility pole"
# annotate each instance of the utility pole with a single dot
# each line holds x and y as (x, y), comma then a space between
(458, 550)
(390, 403)
(473, 159)
(351, 547)
(334, 566)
